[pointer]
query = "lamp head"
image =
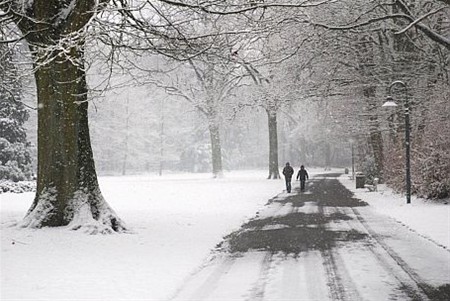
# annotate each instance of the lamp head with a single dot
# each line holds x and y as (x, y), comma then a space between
(389, 102)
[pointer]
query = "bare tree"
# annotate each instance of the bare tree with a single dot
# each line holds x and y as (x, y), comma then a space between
(56, 33)
(374, 46)
(206, 85)
(431, 13)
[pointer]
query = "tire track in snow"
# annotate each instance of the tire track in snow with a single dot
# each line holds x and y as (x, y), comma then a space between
(259, 287)
(374, 272)
(232, 278)
(415, 282)
(364, 270)
(296, 277)
(198, 286)
(341, 286)
(391, 250)
(408, 281)
(210, 284)
(335, 285)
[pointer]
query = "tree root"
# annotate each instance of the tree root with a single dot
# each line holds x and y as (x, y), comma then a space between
(85, 211)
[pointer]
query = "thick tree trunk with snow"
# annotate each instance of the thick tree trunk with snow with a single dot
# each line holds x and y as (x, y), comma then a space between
(67, 188)
(274, 172)
(216, 149)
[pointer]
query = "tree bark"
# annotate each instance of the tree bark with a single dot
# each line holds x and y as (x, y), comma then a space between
(216, 150)
(67, 186)
(274, 172)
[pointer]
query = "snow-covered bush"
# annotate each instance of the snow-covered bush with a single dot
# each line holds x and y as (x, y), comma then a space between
(196, 158)
(369, 169)
(17, 187)
(430, 156)
(431, 161)
(394, 165)
(15, 159)
(430, 168)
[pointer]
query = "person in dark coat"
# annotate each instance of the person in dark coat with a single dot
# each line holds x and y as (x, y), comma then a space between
(302, 175)
(288, 171)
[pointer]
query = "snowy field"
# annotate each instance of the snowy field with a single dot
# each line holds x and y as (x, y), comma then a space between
(176, 221)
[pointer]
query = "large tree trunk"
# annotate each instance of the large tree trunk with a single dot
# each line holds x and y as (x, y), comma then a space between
(274, 172)
(67, 188)
(216, 149)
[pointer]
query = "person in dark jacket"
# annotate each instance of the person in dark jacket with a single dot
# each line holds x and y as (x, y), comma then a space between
(288, 171)
(302, 175)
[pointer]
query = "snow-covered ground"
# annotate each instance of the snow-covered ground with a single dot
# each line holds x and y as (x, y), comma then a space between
(177, 220)
(428, 218)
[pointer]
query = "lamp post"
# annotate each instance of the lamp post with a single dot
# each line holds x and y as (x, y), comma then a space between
(391, 103)
(353, 162)
(353, 158)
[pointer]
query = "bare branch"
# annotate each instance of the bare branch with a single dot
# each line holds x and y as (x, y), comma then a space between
(426, 30)
(420, 19)
(246, 8)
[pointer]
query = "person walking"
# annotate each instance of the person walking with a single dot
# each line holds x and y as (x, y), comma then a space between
(288, 171)
(302, 175)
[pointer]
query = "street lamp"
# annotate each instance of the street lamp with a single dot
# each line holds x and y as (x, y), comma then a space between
(391, 103)
(353, 158)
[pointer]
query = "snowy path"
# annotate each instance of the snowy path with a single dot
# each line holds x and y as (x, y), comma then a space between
(322, 245)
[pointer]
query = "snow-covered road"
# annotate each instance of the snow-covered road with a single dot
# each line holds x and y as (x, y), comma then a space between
(322, 245)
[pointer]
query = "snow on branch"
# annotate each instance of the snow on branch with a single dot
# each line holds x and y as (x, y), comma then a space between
(426, 30)
(420, 19)
(224, 9)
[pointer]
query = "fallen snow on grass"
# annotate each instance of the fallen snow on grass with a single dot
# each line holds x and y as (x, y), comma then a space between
(428, 218)
(176, 220)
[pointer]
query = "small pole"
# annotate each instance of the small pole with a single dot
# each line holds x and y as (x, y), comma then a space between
(408, 151)
(353, 162)
(161, 139)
